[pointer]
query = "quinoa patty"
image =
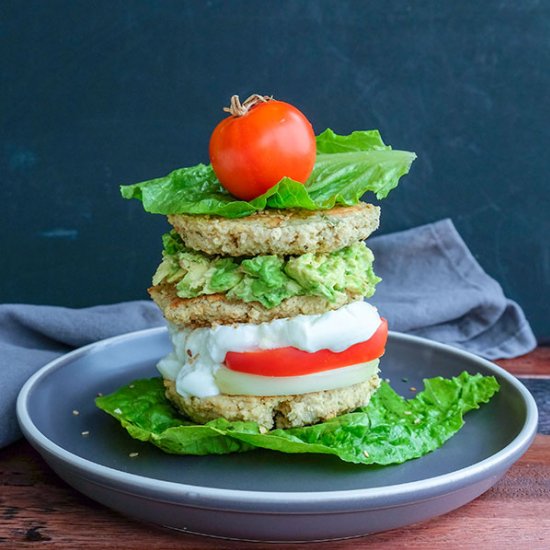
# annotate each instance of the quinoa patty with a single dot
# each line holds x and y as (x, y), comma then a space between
(283, 411)
(216, 309)
(279, 232)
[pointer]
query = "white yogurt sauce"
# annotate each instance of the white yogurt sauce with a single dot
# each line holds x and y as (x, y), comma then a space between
(199, 353)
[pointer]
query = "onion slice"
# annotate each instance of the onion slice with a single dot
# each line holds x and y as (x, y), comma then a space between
(237, 383)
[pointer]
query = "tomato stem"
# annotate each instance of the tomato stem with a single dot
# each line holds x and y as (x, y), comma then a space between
(239, 109)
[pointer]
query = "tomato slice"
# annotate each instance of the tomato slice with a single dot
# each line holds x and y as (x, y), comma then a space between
(291, 361)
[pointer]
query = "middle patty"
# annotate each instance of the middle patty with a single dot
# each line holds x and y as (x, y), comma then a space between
(268, 282)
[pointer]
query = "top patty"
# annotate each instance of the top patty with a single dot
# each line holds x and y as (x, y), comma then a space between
(279, 232)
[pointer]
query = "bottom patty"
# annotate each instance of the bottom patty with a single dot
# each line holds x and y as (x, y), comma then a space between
(282, 411)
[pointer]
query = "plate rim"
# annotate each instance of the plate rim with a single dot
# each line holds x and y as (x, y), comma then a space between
(217, 497)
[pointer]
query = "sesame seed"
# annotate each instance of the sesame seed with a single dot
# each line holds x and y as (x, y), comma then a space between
(417, 420)
(407, 412)
(85, 433)
(117, 411)
(133, 455)
(75, 412)
(366, 453)
(263, 430)
(412, 388)
(387, 380)
(131, 386)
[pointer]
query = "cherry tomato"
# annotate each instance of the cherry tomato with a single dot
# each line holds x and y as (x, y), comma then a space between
(252, 151)
(291, 361)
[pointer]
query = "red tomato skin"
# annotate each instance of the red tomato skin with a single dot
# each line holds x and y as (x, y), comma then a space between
(290, 361)
(253, 152)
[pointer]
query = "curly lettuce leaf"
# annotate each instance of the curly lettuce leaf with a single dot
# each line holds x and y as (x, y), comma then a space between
(360, 140)
(390, 430)
(346, 168)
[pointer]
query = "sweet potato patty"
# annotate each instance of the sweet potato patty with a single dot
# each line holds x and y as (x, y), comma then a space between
(279, 232)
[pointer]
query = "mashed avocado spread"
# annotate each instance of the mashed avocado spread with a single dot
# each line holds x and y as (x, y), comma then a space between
(267, 279)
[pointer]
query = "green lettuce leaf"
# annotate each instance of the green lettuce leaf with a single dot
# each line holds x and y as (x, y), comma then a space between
(346, 168)
(390, 430)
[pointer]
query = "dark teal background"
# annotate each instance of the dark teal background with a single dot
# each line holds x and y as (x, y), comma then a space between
(95, 94)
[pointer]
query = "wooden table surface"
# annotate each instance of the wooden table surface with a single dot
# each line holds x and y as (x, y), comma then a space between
(38, 509)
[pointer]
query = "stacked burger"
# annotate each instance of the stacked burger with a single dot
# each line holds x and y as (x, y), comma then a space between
(264, 281)
(266, 312)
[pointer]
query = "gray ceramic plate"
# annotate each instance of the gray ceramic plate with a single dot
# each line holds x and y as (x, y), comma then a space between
(265, 495)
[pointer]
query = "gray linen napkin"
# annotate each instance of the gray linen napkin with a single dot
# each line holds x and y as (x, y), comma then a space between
(31, 336)
(432, 287)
